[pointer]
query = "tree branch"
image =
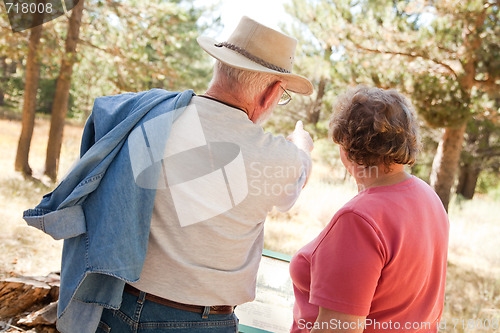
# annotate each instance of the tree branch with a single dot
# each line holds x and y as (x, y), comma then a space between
(490, 86)
(491, 4)
(472, 42)
(408, 54)
(111, 51)
(489, 152)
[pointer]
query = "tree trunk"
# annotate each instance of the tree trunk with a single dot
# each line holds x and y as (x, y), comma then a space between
(29, 106)
(3, 79)
(445, 164)
(447, 157)
(314, 111)
(60, 104)
(467, 179)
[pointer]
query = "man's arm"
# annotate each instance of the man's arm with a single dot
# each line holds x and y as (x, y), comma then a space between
(330, 321)
(304, 142)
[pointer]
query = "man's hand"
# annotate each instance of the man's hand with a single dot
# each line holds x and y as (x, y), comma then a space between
(301, 138)
(304, 142)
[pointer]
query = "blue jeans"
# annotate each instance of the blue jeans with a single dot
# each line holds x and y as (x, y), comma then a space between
(139, 315)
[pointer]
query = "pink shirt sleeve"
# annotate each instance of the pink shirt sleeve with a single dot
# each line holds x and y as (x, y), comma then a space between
(346, 266)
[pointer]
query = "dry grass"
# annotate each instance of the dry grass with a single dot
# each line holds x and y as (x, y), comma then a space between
(25, 250)
(475, 234)
(473, 283)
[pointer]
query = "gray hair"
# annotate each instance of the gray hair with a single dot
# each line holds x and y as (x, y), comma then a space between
(241, 81)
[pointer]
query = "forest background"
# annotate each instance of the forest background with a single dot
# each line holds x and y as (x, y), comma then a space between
(443, 55)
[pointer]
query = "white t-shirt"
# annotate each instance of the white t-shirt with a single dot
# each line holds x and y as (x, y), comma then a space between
(222, 175)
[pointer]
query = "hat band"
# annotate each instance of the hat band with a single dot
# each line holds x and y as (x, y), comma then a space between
(250, 56)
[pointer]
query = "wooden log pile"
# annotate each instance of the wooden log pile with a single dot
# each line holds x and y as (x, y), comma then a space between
(29, 304)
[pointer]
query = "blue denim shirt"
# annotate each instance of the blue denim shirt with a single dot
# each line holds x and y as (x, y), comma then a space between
(100, 211)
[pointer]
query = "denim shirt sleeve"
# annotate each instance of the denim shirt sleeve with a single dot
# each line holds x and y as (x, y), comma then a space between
(56, 223)
(67, 222)
(60, 213)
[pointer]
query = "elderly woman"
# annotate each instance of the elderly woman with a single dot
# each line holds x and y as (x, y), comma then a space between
(380, 264)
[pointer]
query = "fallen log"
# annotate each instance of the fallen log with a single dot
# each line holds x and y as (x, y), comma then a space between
(30, 302)
(45, 316)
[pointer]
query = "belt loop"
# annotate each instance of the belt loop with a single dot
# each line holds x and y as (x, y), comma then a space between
(206, 312)
(142, 297)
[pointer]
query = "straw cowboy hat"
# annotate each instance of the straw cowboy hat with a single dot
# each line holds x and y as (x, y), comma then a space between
(255, 47)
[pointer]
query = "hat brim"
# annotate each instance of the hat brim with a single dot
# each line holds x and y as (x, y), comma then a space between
(295, 83)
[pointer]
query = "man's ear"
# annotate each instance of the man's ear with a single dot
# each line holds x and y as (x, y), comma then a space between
(269, 95)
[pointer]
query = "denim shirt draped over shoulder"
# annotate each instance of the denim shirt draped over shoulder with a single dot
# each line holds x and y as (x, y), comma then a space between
(103, 206)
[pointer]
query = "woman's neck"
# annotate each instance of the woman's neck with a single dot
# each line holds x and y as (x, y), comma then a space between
(380, 175)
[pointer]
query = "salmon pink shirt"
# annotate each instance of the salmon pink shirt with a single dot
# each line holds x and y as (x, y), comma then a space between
(383, 256)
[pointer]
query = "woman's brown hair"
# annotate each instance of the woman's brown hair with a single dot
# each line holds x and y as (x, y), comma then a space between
(375, 126)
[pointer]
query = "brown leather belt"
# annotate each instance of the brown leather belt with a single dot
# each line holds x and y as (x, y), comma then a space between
(218, 309)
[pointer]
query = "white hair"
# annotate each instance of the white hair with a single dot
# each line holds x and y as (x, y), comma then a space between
(241, 81)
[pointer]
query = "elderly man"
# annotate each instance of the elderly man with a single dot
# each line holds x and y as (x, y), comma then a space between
(168, 234)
